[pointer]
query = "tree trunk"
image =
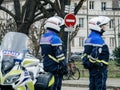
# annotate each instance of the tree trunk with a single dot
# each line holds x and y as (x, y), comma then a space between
(23, 28)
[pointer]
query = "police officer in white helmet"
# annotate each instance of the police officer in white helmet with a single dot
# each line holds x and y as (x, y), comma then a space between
(52, 50)
(96, 53)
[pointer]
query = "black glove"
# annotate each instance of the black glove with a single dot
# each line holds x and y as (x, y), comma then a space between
(95, 62)
(98, 64)
(63, 70)
(86, 63)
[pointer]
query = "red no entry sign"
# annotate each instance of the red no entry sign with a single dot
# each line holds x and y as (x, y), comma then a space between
(70, 20)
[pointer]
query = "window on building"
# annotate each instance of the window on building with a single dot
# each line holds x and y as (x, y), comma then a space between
(103, 6)
(91, 4)
(112, 42)
(72, 43)
(111, 23)
(81, 41)
(81, 22)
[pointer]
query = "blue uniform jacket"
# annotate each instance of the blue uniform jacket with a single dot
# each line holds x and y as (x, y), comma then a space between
(95, 47)
(52, 51)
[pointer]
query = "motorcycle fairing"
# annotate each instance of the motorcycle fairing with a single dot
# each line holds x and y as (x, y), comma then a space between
(13, 45)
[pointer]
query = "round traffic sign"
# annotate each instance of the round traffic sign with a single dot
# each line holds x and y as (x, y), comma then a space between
(70, 20)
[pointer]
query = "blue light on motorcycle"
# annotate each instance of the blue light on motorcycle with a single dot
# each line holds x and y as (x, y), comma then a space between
(18, 60)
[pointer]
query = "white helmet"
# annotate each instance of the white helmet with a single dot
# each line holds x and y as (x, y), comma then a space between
(54, 23)
(96, 22)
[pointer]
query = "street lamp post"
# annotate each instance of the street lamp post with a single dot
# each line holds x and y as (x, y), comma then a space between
(114, 28)
(118, 33)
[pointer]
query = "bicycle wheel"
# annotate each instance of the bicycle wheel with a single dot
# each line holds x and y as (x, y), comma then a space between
(76, 74)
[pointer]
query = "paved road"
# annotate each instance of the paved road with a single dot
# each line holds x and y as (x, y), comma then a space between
(112, 84)
(74, 88)
(80, 88)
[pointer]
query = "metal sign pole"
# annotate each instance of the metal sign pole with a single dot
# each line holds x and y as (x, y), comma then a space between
(69, 30)
(68, 46)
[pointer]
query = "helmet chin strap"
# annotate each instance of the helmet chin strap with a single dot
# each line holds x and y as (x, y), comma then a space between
(102, 31)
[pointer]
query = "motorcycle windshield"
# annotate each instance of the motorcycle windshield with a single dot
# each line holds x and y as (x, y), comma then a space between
(14, 42)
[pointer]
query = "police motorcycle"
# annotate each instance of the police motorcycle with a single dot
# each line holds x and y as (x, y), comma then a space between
(16, 71)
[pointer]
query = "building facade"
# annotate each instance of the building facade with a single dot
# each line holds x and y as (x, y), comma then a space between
(92, 8)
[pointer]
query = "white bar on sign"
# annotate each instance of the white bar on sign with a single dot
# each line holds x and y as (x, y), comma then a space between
(70, 20)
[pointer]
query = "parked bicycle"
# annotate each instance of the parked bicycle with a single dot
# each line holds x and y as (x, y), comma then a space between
(73, 71)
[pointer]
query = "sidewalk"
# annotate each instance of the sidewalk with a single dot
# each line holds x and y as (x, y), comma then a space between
(112, 83)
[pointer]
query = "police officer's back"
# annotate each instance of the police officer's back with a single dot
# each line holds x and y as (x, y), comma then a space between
(52, 50)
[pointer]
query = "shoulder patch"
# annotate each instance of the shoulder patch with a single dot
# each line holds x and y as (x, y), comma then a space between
(60, 47)
(100, 50)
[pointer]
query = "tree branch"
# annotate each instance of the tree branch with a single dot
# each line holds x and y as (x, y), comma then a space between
(74, 33)
(30, 12)
(77, 8)
(62, 12)
(46, 12)
(17, 9)
(37, 14)
(1, 1)
(38, 18)
(7, 11)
